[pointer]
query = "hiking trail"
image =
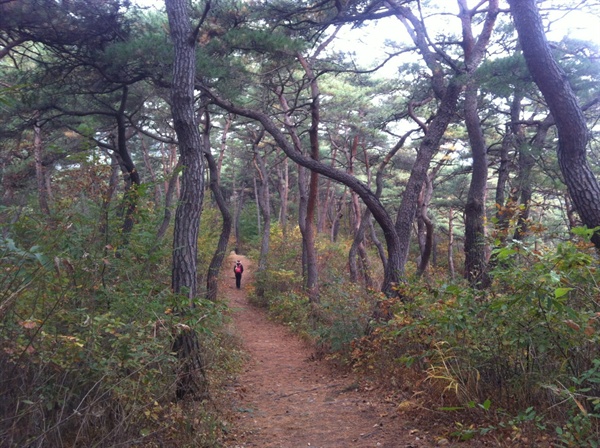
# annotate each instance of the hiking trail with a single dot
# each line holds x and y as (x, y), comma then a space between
(285, 398)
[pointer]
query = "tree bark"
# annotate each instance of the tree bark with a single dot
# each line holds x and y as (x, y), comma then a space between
(572, 129)
(509, 141)
(337, 216)
(212, 278)
(427, 223)
(476, 270)
(451, 243)
(357, 218)
(228, 122)
(265, 210)
(312, 269)
(187, 216)
(131, 175)
(358, 250)
(283, 176)
(238, 200)
(526, 163)
(427, 149)
(256, 198)
(192, 381)
(329, 194)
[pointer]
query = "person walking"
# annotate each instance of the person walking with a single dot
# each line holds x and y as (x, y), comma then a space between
(238, 269)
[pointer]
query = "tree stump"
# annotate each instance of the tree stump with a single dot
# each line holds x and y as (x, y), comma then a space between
(191, 376)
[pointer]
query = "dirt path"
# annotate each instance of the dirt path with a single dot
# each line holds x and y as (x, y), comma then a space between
(285, 399)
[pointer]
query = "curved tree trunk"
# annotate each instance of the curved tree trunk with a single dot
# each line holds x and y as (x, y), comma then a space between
(427, 223)
(423, 218)
(212, 284)
(429, 146)
(312, 269)
(392, 272)
(130, 174)
(526, 161)
(510, 140)
(358, 250)
(187, 216)
(568, 115)
(476, 269)
(283, 176)
(451, 243)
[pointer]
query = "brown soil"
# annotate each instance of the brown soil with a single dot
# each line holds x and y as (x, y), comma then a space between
(285, 398)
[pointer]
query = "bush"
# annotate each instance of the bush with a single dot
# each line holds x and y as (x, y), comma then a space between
(86, 340)
(530, 342)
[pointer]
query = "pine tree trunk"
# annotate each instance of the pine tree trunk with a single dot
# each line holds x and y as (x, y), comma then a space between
(476, 269)
(238, 199)
(131, 175)
(258, 221)
(312, 269)
(228, 122)
(191, 375)
(265, 210)
(212, 277)
(338, 215)
(283, 175)
(509, 141)
(451, 243)
(572, 129)
(427, 149)
(187, 217)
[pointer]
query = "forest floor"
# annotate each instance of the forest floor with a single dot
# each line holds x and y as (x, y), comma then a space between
(286, 398)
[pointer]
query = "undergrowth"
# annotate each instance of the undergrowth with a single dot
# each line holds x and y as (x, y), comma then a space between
(518, 362)
(86, 337)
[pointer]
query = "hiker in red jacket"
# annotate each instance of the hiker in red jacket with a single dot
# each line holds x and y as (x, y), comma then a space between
(238, 268)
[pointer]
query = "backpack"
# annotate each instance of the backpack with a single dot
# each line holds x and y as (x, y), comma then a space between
(238, 268)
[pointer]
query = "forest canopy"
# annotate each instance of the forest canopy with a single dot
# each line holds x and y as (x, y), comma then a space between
(432, 199)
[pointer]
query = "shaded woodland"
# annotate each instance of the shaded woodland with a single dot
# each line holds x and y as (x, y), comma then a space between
(430, 219)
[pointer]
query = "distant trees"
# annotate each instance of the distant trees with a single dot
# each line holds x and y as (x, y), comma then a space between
(365, 149)
(447, 83)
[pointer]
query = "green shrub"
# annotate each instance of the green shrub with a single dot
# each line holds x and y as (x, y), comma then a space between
(86, 338)
(529, 342)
